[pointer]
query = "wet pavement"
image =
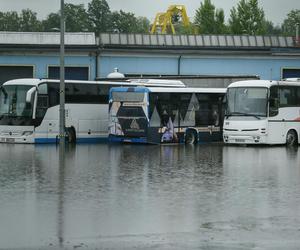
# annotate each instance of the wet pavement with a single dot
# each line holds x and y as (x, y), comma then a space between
(149, 197)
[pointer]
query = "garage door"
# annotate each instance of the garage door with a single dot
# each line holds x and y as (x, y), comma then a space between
(14, 72)
(71, 73)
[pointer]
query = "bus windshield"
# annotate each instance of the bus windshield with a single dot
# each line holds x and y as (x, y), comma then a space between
(13, 101)
(247, 101)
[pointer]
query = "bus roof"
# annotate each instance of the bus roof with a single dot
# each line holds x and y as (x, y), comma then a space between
(169, 90)
(135, 82)
(262, 83)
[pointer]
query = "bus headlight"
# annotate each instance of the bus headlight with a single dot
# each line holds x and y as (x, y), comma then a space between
(27, 133)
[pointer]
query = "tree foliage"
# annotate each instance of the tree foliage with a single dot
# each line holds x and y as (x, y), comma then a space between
(247, 18)
(76, 18)
(9, 21)
(51, 23)
(100, 16)
(209, 20)
(28, 21)
(143, 25)
(289, 24)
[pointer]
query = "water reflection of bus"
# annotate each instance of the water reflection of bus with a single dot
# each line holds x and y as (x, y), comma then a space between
(263, 112)
(29, 109)
(155, 115)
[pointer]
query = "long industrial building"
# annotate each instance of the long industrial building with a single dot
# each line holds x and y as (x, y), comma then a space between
(90, 57)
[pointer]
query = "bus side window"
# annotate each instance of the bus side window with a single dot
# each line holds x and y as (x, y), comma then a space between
(42, 101)
(273, 101)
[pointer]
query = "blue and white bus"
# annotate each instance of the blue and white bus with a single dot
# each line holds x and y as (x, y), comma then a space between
(161, 115)
(29, 109)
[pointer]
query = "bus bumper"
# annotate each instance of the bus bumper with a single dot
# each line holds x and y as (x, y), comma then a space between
(244, 139)
(17, 139)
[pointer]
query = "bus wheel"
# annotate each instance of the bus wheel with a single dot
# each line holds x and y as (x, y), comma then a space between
(71, 135)
(291, 138)
(190, 137)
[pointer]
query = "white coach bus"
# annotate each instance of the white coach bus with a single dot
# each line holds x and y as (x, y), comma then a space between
(29, 109)
(262, 112)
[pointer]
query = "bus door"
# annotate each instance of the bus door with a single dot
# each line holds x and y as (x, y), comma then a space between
(208, 117)
(276, 121)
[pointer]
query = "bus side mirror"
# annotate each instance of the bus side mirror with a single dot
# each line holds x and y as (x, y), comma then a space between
(29, 94)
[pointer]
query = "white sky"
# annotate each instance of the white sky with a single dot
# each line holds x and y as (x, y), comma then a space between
(275, 10)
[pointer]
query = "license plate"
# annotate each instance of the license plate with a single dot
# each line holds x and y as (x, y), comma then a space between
(239, 140)
(10, 140)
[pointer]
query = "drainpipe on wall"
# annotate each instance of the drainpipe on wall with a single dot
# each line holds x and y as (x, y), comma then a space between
(97, 64)
(97, 57)
(297, 35)
(179, 65)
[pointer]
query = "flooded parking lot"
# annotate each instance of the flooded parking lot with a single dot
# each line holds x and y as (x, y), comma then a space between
(149, 197)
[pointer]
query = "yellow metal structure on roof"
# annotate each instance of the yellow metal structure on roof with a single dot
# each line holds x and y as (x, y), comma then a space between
(163, 20)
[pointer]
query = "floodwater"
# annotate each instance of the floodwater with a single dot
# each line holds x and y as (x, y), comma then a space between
(149, 197)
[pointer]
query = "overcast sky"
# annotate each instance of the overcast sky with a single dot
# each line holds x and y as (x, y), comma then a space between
(275, 10)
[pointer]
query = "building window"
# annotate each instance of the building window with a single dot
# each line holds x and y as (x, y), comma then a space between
(14, 72)
(71, 73)
(290, 73)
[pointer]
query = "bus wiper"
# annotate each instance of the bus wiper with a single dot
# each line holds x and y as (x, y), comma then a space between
(244, 114)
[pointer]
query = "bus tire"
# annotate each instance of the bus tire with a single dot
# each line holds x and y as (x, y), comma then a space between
(71, 135)
(291, 138)
(191, 137)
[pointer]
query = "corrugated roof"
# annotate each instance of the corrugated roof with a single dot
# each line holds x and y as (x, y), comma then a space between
(145, 40)
(159, 40)
(47, 38)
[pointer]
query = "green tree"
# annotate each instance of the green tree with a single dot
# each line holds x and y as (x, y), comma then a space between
(76, 17)
(220, 27)
(271, 29)
(99, 15)
(209, 20)
(248, 18)
(143, 25)
(289, 24)
(124, 22)
(205, 17)
(51, 23)
(9, 21)
(29, 21)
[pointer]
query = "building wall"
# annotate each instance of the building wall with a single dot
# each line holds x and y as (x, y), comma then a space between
(40, 62)
(265, 67)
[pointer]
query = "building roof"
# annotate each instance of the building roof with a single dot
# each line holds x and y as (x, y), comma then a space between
(87, 41)
(194, 41)
(47, 38)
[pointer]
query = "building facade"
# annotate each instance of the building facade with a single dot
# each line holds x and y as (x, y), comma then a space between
(88, 57)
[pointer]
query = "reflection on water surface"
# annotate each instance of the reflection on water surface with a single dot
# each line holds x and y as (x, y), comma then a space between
(149, 196)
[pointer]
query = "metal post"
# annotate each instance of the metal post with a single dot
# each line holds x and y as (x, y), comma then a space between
(62, 76)
(297, 34)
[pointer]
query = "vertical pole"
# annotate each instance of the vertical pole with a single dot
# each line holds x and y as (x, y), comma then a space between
(297, 34)
(61, 121)
(62, 76)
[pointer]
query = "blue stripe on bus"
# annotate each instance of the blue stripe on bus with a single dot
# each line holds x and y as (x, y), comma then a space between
(78, 140)
(45, 140)
(92, 140)
(131, 140)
